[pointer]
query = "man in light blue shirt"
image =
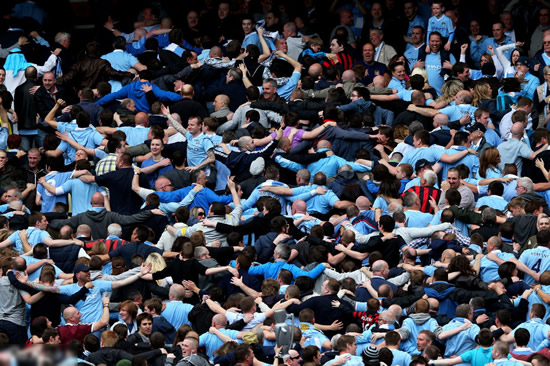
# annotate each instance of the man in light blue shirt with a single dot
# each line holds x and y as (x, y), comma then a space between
(460, 334)
(176, 311)
(36, 233)
(489, 268)
(121, 61)
(415, 217)
(212, 341)
(393, 340)
(536, 327)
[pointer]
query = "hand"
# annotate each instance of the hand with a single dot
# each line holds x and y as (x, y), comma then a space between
(340, 247)
(388, 236)
(62, 136)
(539, 163)
(90, 285)
(23, 234)
(336, 325)
(420, 64)
(248, 318)
(209, 223)
(23, 278)
(164, 110)
(463, 48)
(335, 303)
(445, 186)
(491, 49)
(447, 65)
(260, 31)
(427, 49)
(212, 330)
(464, 120)
(516, 246)
(41, 180)
(31, 186)
(198, 187)
(163, 351)
(258, 300)
(191, 169)
(190, 285)
(472, 151)
(80, 243)
(237, 281)
(320, 190)
(60, 102)
(230, 184)
(158, 212)
(432, 202)
(536, 67)
(341, 361)
(479, 320)
(279, 133)
(242, 67)
(22, 41)
(277, 350)
(379, 148)
(230, 116)
(146, 88)
(57, 51)
(33, 90)
(145, 269)
(233, 271)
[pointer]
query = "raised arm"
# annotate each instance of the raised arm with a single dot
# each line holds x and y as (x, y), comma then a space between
(215, 307)
(266, 52)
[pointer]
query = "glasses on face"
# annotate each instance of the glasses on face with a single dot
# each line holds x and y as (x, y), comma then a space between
(201, 214)
(295, 358)
(355, 96)
(546, 42)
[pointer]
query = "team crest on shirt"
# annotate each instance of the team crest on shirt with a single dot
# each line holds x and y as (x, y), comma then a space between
(443, 23)
(197, 142)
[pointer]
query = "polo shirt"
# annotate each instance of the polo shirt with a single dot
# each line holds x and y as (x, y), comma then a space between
(197, 148)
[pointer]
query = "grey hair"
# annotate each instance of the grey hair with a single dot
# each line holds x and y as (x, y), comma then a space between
(62, 36)
(200, 251)
(114, 229)
(526, 183)
(430, 177)
(283, 250)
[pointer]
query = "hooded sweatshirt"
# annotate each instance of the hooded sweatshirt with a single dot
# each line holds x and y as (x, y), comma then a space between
(413, 325)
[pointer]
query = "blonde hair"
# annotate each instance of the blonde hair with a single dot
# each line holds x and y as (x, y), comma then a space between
(158, 264)
(481, 91)
(449, 90)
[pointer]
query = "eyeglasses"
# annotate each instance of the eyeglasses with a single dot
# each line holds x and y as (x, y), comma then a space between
(201, 214)
(546, 42)
(295, 358)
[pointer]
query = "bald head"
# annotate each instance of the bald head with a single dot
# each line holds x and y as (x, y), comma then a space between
(441, 119)
(324, 144)
(363, 203)
(219, 321)
(517, 129)
(447, 255)
(142, 119)
(379, 266)
(187, 91)
(176, 292)
(348, 75)
(299, 207)
(379, 82)
(97, 200)
(315, 71)
(69, 313)
(84, 230)
(417, 98)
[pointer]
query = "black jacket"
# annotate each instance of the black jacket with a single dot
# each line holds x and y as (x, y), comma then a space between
(24, 106)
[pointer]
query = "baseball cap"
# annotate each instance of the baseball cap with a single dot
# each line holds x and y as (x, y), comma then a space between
(81, 267)
(422, 163)
(477, 127)
(523, 60)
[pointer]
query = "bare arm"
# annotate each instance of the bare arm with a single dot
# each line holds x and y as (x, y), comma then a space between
(246, 82)
(104, 320)
(451, 332)
(49, 117)
(426, 112)
(266, 52)
(215, 307)
(281, 191)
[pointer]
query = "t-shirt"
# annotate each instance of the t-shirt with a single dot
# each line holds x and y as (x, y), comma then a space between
(433, 67)
(91, 308)
(81, 194)
(123, 200)
(232, 317)
(197, 148)
(34, 236)
(135, 135)
(56, 179)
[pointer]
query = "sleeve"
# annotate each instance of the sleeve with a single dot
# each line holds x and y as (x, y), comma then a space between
(48, 65)
(166, 95)
(525, 151)
(314, 273)
(285, 163)
(122, 93)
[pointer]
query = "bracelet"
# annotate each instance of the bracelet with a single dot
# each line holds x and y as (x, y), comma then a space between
(105, 305)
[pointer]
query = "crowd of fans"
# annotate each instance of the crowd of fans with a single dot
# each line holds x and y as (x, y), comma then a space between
(379, 170)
